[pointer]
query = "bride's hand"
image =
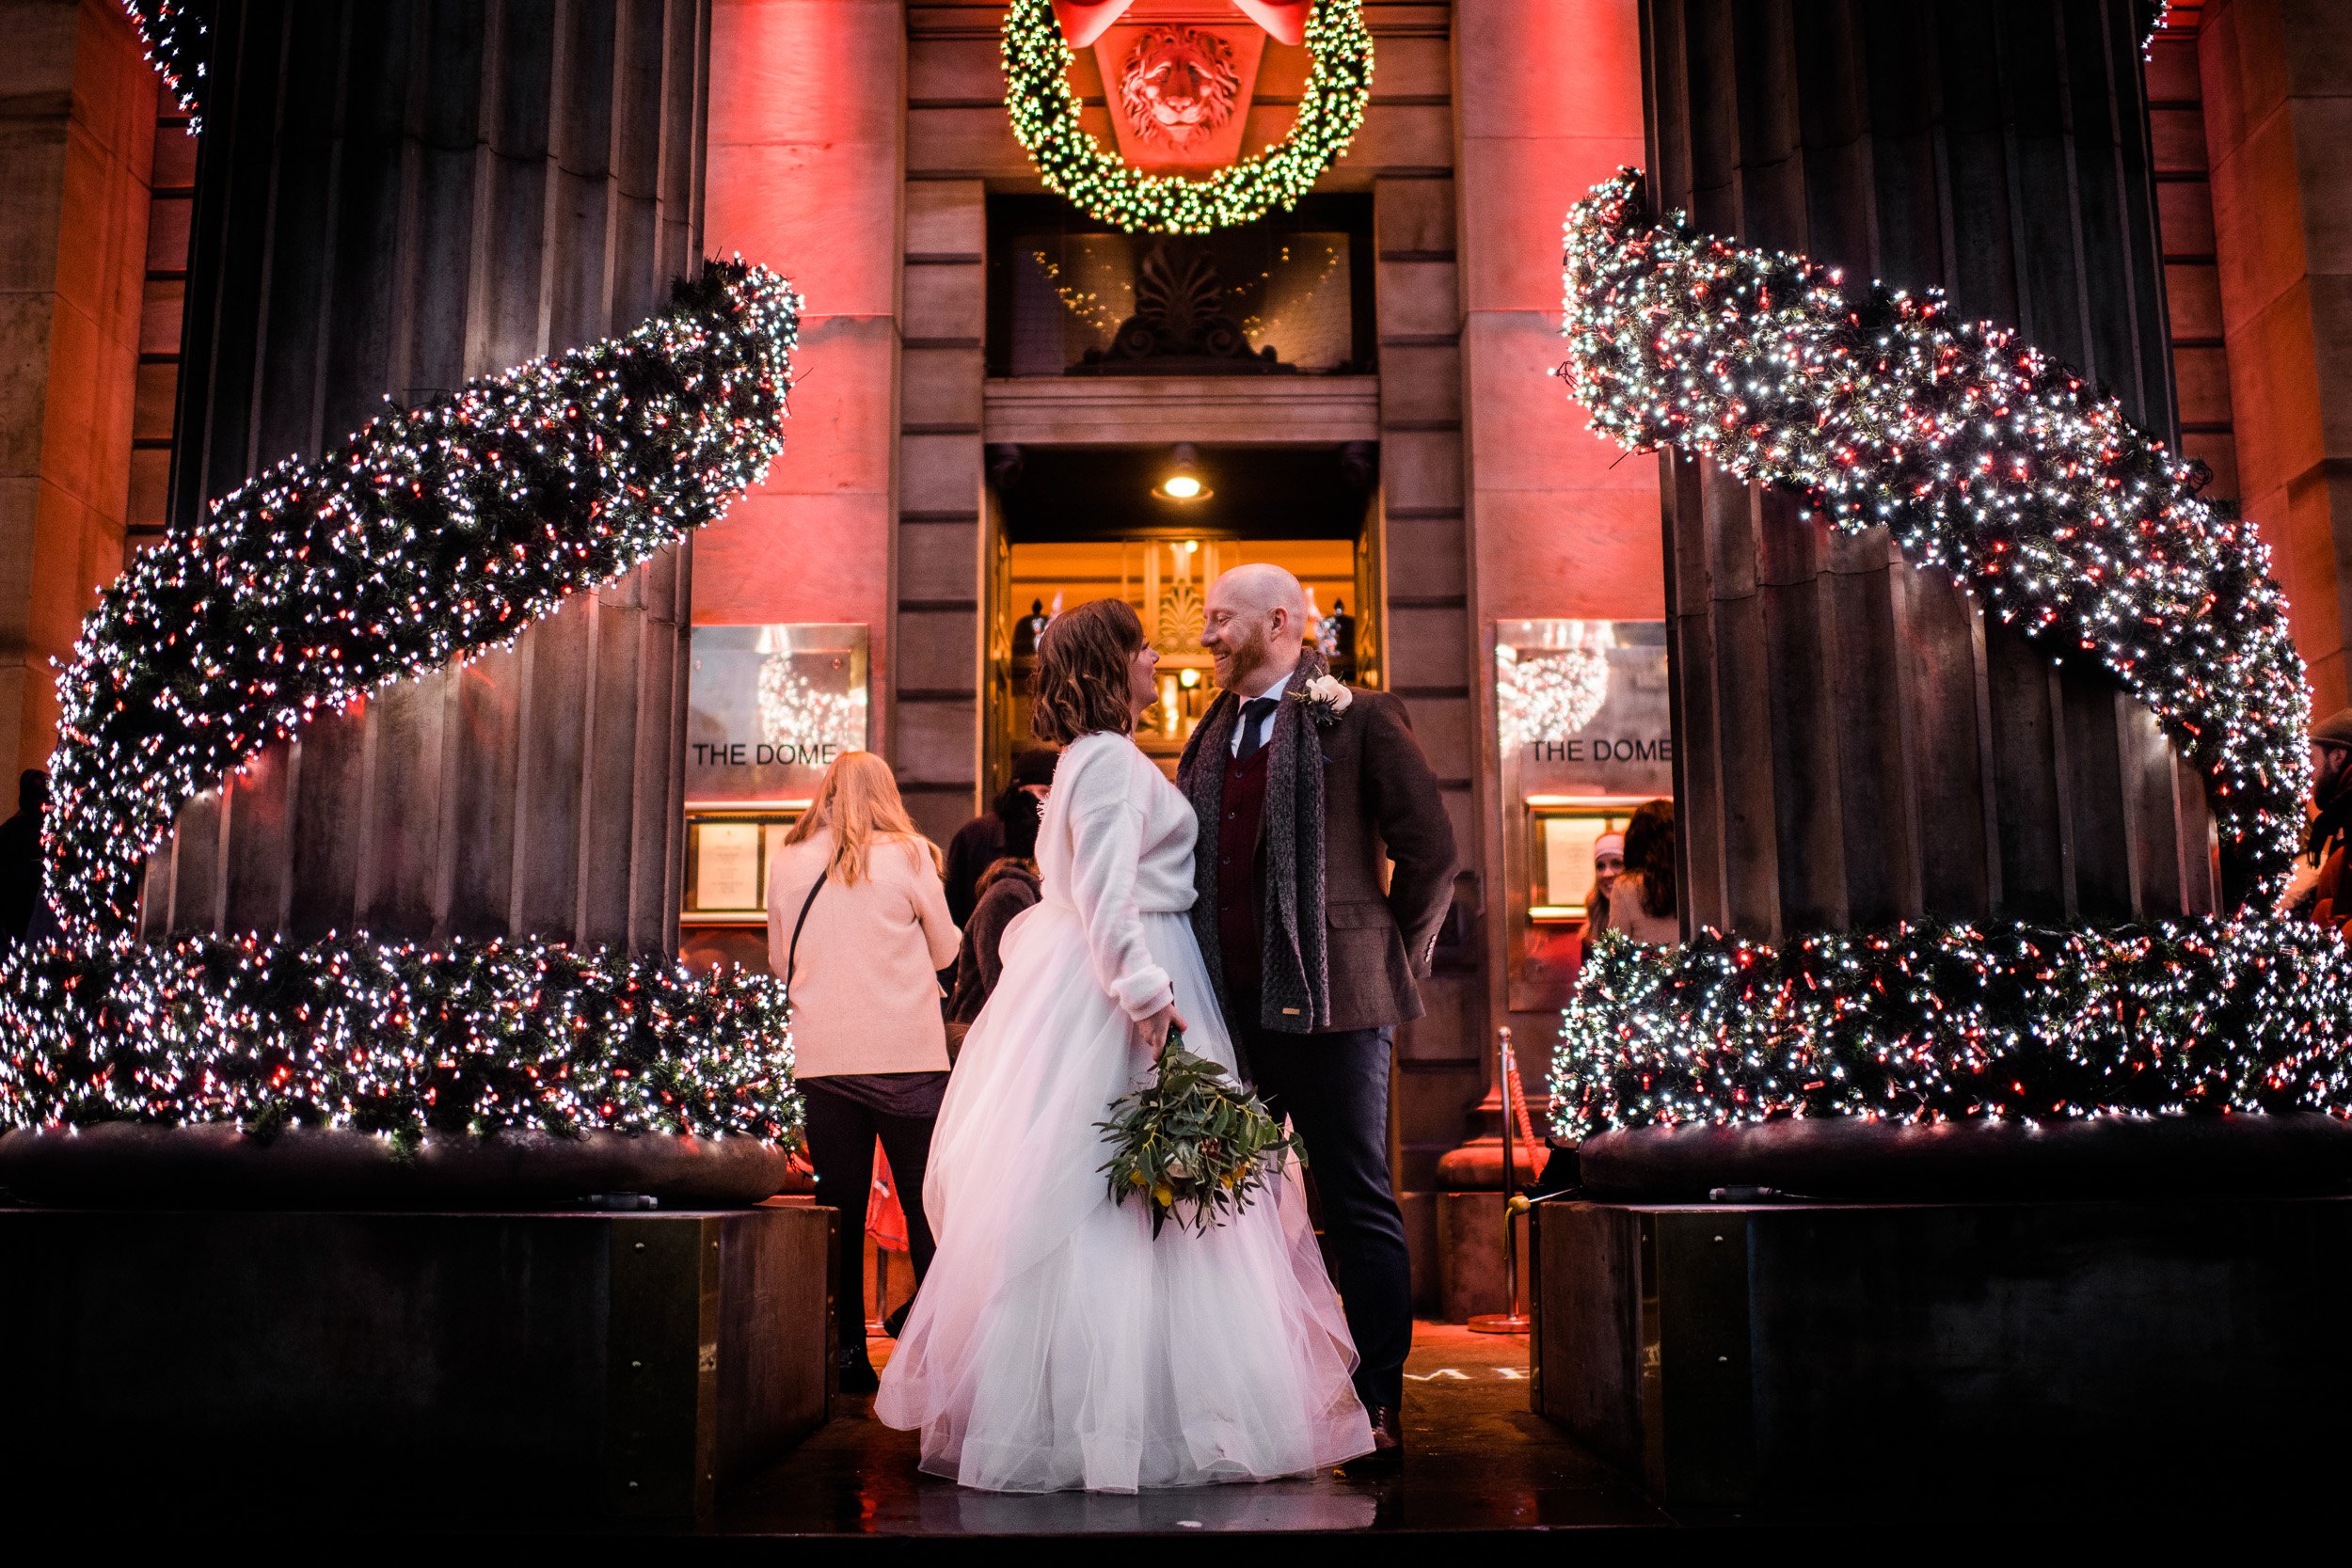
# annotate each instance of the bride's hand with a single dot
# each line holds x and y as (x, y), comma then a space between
(1154, 1029)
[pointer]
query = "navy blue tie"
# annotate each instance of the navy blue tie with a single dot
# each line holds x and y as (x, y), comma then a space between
(1253, 714)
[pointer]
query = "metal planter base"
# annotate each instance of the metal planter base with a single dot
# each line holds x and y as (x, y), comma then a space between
(1790, 1358)
(500, 1368)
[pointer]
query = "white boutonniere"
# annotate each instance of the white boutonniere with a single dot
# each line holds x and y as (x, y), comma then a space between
(1327, 698)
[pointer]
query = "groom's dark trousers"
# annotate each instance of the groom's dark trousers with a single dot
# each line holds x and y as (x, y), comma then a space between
(1349, 944)
(1335, 1089)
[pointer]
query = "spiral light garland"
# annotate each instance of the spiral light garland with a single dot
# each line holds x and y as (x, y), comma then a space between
(434, 534)
(396, 1039)
(1988, 459)
(1984, 456)
(175, 36)
(1931, 1022)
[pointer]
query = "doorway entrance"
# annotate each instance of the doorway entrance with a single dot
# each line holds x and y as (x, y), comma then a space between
(1079, 523)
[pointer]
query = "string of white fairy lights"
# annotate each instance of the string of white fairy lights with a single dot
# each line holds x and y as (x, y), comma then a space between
(396, 1039)
(1987, 458)
(1982, 454)
(1948, 1021)
(175, 35)
(432, 534)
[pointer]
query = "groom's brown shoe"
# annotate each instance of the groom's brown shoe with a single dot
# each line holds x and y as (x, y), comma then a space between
(1387, 1443)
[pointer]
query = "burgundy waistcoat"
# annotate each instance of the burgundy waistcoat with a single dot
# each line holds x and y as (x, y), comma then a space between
(1240, 899)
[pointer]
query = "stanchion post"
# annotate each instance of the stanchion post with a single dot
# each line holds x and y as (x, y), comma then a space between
(1510, 1320)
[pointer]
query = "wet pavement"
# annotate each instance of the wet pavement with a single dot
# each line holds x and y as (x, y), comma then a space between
(1479, 1461)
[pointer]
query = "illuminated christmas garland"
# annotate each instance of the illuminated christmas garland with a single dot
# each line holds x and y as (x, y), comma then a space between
(1936, 1023)
(432, 534)
(435, 533)
(175, 35)
(1984, 457)
(1046, 118)
(472, 1036)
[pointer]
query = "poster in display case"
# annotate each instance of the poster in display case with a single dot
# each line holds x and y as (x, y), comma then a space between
(1586, 733)
(770, 707)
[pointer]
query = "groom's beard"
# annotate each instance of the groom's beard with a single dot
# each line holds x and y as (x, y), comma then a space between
(1234, 667)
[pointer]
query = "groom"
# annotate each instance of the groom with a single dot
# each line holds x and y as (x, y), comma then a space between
(1303, 787)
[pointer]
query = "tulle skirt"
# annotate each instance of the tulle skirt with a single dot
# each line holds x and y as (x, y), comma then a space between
(1055, 1343)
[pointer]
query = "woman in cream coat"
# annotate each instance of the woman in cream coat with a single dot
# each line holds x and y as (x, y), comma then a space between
(863, 889)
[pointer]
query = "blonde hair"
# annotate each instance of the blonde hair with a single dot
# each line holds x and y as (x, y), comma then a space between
(858, 799)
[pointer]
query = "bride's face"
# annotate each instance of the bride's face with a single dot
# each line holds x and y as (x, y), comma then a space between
(1143, 680)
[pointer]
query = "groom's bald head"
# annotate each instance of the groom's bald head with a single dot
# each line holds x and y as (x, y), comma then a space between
(1255, 625)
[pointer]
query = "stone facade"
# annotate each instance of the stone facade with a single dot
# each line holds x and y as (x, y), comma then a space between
(77, 137)
(855, 144)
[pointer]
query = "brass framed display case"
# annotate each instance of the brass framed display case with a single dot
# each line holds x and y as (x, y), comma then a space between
(1586, 735)
(769, 709)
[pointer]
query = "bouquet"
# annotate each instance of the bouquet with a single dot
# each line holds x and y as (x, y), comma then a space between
(1193, 1142)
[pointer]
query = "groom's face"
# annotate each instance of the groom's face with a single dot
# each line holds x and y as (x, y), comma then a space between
(1238, 634)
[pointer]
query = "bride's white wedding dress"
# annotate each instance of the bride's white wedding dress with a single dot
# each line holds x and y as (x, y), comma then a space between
(1055, 1343)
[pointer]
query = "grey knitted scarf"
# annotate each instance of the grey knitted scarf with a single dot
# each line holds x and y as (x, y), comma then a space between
(1297, 998)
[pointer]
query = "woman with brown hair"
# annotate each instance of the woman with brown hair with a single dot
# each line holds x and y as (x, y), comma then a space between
(1641, 903)
(1057, 1344)
(858, 926)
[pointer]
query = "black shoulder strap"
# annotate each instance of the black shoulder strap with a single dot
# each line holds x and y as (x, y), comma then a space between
(792, 954)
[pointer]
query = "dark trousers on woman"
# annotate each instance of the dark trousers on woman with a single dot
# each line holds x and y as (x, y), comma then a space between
(842, 1128)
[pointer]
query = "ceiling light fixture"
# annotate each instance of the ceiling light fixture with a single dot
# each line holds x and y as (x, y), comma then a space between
(1183, 481)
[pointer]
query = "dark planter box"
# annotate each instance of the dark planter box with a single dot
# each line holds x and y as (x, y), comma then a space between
(2077, 1355)
(517, 1368)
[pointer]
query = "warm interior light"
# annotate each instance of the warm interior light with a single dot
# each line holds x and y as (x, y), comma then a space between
(1183, 481)
(1188, 679)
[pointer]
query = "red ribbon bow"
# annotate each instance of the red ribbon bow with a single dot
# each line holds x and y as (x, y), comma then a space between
(1084, 21)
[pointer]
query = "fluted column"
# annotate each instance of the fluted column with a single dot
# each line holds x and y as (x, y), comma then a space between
(395, 196)
(1855, 742)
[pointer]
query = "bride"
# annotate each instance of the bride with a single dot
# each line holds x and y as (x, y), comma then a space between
(1055, 1343)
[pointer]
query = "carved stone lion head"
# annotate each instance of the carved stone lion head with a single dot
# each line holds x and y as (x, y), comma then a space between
(1179, 84)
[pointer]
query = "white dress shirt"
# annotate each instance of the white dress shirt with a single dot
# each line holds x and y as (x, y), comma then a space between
(1266, 724)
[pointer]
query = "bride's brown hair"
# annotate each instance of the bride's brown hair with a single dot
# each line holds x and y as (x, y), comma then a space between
(1082, 659)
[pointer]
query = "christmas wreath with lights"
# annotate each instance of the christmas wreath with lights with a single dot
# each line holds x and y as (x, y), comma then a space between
(1046, 118)
(1987, 458)
(435, 533)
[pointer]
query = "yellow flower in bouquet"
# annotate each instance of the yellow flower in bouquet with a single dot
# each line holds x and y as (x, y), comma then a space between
(1194, 1141)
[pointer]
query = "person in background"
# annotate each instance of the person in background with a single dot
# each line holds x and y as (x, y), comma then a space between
(20, 857)
(1641, 903)
(858, 927)
(1006, 889)
(1608, 862)
(980, 842)
(2317, 890)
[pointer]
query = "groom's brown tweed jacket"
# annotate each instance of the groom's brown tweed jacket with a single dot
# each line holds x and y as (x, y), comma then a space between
(1380, 803)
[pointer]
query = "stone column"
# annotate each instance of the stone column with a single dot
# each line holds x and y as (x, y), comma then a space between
(2278, 117)
(394, 196)
(1552, 522)
(1855, 742)
(77, 133)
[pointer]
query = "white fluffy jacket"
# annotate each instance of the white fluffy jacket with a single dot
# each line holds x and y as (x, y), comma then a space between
(1116, 843)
